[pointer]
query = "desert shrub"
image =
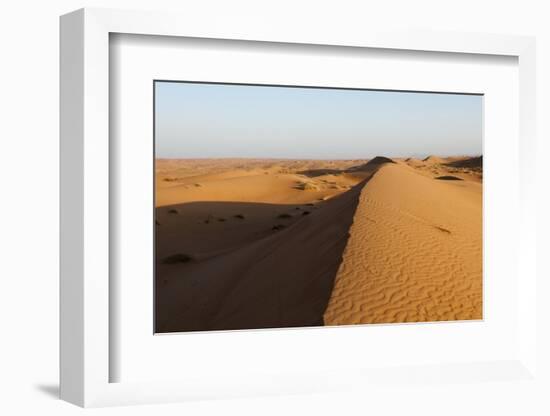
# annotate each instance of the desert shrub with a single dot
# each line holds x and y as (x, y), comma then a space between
(449, 178)
(177, 258)
(308, 186)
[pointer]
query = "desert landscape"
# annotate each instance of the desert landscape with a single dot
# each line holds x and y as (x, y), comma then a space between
(264, 243)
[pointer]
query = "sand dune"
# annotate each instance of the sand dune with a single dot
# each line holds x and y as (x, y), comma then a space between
(433, 159)
(462, 167)
(262, 182)
(466, 162)
(414, 162)
(280, 243)
(414, 252)
(282, 279)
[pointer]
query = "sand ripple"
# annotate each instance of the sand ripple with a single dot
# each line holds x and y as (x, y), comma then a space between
(414, 252)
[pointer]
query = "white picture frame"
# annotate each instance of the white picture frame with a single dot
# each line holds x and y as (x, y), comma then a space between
(85, 216)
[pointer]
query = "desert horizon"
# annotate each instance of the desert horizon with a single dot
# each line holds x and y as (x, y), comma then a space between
(248, 243)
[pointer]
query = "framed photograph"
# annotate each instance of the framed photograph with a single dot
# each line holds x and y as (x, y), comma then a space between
(247, 211)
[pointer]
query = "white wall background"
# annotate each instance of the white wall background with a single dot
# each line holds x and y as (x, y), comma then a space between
(29, 205)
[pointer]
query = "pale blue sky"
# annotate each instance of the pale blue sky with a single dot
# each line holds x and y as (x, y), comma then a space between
(222, 120)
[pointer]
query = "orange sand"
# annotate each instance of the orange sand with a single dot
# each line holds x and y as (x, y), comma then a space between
(278, 243)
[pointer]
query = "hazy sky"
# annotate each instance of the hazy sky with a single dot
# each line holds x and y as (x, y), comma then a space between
(212, 120)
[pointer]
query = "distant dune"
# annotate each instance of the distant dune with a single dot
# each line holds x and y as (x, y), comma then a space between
(468, 162)
(433, 159)
(460, 167)
(280, 243)
(413, 161)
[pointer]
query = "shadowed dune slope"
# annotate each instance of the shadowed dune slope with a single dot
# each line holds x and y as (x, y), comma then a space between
(470, 162)
(414, 252)
(281, 280)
